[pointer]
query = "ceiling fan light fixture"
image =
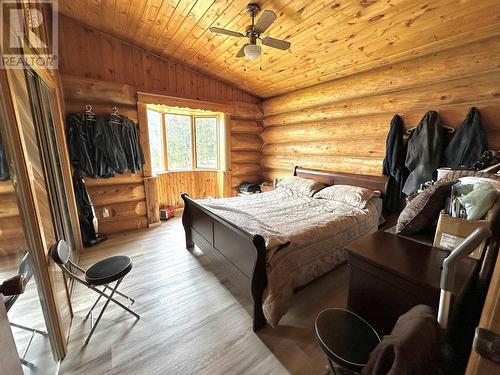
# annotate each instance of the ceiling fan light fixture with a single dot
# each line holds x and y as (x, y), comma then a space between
(252, 51)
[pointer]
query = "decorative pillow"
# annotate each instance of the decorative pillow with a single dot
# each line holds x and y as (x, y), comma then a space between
(300, 185)
(352, 195)
(422, 210)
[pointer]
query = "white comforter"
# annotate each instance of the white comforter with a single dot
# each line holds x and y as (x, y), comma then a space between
(304, 237)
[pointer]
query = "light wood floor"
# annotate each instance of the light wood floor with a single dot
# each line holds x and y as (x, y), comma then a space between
(190, 322)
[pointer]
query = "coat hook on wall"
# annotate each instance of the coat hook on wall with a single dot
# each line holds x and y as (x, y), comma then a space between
(89, 115)
(449, 129)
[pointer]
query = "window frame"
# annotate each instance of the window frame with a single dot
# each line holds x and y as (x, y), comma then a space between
(194, 163)
(193, 140)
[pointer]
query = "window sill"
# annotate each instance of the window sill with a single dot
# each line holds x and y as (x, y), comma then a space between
(187, 170)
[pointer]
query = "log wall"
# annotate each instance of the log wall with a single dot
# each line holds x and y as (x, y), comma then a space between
(103, 71)
(246, 147)
(342, 124)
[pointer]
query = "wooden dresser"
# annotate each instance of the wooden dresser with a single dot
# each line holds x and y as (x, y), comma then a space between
(389, 274)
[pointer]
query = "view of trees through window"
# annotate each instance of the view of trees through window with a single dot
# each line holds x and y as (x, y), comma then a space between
(182, 142)
(179, 145)
(206, 142)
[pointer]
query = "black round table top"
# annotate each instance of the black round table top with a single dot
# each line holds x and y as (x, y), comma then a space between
(108, 270)
(345, 337)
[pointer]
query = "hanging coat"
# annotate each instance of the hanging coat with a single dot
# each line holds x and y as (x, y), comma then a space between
(425, 150)
(4, 166)
(394, 166)
(86, 212)
(131, 146)
(469, 142)
(108, 139)
(84, 154)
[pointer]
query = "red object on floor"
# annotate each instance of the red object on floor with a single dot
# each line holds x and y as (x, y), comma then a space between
(166, 212)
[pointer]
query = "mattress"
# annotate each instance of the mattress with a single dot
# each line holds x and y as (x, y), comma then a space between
(305, 237)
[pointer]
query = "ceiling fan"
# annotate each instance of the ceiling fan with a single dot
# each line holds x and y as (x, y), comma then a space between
(253, 32)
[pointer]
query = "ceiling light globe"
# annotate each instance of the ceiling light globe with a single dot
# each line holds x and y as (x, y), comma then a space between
(252, 51)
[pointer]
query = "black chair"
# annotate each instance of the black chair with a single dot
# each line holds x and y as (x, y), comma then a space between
(102, 273)
(11, 289)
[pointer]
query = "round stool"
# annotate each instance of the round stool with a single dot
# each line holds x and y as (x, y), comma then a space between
(346, 339)
(108, 270)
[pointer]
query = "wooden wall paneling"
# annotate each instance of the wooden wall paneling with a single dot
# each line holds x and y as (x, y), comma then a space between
(473, 58)
(152, 206)
(198, 184)
(127, 64)
(342, 125)
(246, 142)
(451, 92)
(102, 108)
(81, 89)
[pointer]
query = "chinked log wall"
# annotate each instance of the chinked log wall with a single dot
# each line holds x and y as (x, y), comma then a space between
(104, 71)
(342, 124)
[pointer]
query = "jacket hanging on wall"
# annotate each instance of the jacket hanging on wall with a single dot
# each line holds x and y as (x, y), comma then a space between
(84, 154)
(469, 142)
(4, 166)
(394, 166)
(424, 154)
(101, 146)
(86, 212)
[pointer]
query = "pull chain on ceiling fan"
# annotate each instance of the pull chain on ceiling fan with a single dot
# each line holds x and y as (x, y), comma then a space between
(253, 32)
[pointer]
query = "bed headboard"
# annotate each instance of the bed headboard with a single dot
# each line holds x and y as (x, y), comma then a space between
(341, 178)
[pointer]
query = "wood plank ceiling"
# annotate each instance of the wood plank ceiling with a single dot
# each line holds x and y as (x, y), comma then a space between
(330, 39)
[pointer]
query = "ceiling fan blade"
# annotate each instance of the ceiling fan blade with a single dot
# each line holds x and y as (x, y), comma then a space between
(241, 52)
(218, 30)
(276, 43)
(265, 20)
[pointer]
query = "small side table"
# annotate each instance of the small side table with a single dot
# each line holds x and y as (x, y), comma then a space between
(389, 274)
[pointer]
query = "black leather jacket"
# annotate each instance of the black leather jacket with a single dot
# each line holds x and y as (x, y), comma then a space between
(425, 150)
(394, 166)
(469, 142)
(102, 145)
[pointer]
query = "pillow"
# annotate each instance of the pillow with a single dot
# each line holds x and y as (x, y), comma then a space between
(300, 185)
(422, 210)
(352, 195)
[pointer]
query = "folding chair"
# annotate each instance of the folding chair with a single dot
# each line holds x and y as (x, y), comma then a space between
(11, 289)
(102, 273)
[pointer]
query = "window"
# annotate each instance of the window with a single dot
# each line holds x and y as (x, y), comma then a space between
(206, 142)
(179, 144)
(156, 140)
(183, 140)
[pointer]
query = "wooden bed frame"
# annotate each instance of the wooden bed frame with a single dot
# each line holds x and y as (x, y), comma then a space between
(239, 254)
